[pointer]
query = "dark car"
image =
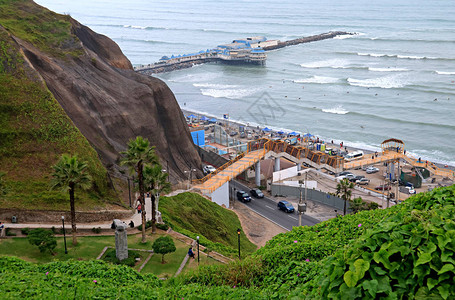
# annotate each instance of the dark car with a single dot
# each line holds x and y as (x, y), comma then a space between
(243, 196)
(257, 193)
(286, 206)
(384, 187)
(355, 178)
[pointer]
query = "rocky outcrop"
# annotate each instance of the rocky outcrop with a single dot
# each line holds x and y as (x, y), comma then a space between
(111, 104)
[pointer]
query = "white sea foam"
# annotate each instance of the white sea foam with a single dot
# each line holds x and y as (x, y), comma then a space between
(387, 69)
(411, 57)
(339, 110)
(445, 73)
(215, 85)
(134, 26)
(330, 63)
(317, 79)
(227, 93)
(387, 82)
(395, 56)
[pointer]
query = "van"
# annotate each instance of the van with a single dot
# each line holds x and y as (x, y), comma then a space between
(354, 155)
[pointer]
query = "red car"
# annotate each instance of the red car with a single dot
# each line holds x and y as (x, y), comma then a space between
(384, 187)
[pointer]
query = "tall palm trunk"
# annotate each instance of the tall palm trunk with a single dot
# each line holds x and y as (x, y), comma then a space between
(141, 197)
(73, 214)
(153, 214)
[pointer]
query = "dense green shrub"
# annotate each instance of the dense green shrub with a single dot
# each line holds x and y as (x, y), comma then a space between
(110, 256)
(44, 239)
(162, 226)
(411, 254)
(25, 231)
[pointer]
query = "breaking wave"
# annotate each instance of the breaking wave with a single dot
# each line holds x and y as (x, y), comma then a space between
(339, 110)
(387, 69)
(317, 79)
(387, 82)
(330, 63)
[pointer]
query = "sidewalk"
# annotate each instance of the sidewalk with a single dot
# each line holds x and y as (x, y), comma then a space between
(136, 218)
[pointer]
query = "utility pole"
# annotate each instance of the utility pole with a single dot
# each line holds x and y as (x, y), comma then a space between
(300, 202)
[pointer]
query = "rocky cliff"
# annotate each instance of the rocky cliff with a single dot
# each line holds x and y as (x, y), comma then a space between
(95, 85)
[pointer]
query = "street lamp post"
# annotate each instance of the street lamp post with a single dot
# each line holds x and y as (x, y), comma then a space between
(64, 235)
(197, 238)
(189, 177)
(300, 203)
(238, 234)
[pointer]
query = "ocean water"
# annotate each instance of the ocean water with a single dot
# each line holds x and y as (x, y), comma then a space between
(395, 78)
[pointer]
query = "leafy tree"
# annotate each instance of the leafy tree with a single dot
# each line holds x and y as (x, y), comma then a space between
(344, 190)
(163, 245)
(2, 184)
(138, 154)
(155, 181)
(71, 173)
(44, 239)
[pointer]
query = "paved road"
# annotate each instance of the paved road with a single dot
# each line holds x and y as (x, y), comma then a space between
(267, 208)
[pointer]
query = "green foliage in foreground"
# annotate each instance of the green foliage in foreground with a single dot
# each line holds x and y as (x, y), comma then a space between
(405, 252)
(193, 215)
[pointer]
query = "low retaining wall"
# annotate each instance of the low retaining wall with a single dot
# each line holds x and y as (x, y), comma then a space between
(46, 216)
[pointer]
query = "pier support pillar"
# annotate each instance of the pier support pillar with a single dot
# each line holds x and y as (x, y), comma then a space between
(257, 178)
(299, 167)
(277, 166)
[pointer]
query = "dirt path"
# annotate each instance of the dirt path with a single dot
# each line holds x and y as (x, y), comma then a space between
(258, 229)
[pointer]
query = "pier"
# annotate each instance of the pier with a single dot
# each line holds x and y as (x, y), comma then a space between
(243, 51)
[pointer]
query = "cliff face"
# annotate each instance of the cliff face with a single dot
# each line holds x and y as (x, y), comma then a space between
(110, 103)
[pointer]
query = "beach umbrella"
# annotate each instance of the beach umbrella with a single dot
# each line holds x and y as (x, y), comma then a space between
(204, 118)
(267, 129)
(308, 135)
(280, 132)
(191, 116)
(213, 120)
(292, 133)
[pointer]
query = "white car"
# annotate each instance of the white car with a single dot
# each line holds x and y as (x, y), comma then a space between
(411, 190)
(208, 169)
(371, 170)
(363, 181)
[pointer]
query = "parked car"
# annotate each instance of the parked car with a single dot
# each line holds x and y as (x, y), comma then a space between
(242, 135)
(344, 176)
(233, 133)
(344, 173)
(351, 177)
(371, 170)
(243, 196)
(286, 206)
(257, 193)
(207, 169)
(363, 181)
(384, 187)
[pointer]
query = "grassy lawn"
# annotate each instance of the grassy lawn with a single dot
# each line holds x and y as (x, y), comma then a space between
(204, 260)
(89, 247)
(173, 261)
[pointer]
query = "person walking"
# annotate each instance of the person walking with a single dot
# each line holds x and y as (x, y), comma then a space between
(2, 227)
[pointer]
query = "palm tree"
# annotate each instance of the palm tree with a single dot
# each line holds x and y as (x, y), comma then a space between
(358, 204)
(71, 173)
(135, 157)
(155, 181)
(344, 190)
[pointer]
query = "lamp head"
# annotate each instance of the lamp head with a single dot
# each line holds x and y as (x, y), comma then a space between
(238, 231)
(197, 238)
(63, 217)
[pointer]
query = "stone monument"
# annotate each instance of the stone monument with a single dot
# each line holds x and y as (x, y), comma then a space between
(121, 242)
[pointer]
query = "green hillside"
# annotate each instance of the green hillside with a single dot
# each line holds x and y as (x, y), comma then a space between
(34, 129)
(404, 252)
(216, 226)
